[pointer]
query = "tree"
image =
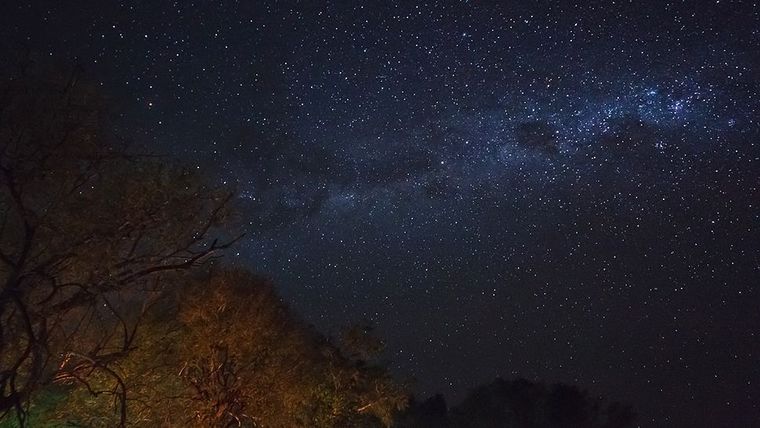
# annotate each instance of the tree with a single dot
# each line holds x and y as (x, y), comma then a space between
(88, 233)
(431, 413)
(520, 403)
(226, 351)
(290, 374)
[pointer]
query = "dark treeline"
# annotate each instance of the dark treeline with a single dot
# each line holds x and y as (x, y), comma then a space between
(115, 310)
(518, 403)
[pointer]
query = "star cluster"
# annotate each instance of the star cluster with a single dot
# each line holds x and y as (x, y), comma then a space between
(555, 190)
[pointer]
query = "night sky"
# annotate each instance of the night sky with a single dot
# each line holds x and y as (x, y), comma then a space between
(558, 191)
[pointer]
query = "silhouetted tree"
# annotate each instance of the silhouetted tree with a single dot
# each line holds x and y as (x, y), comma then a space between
(431, 413)
(84, 228)
(520, 404)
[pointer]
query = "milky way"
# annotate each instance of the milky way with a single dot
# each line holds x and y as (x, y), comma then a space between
(564, 192)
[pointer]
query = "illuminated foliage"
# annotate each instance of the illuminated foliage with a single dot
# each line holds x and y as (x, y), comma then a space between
(88, 233)
(225, 351)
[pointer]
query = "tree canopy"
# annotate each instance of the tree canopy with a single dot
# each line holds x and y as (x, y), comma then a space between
(88, 232)
(520, 404)
(224, 350)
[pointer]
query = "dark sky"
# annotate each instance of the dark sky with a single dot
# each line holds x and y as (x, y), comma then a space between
(559, 191)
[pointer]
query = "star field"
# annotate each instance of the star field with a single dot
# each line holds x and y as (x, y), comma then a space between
(555, 190)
